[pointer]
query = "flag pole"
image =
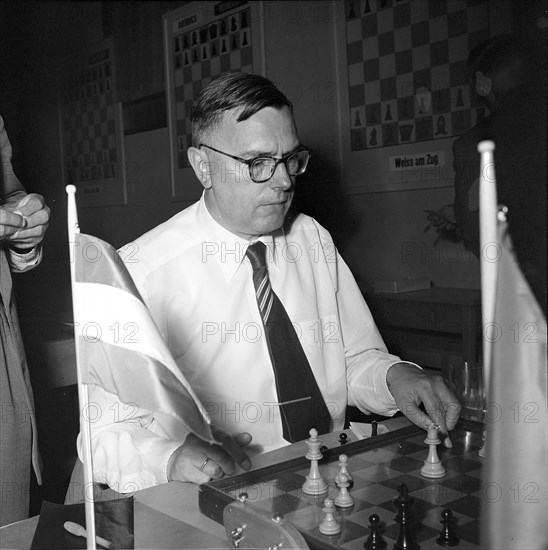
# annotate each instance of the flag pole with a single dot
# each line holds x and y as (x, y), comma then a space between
(83, 396)
(489, 252)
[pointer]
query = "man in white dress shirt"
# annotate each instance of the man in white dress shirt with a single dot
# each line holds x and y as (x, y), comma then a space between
(193, 273)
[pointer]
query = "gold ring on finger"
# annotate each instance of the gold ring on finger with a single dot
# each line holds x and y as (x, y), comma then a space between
(204, 464)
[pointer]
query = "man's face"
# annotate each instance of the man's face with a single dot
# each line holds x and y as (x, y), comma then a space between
(246, 208)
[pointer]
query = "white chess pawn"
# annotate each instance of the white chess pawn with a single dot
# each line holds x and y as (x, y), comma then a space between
(343, 465)
(329, 525)
(344, 498)
(433, 468)
(314, 484)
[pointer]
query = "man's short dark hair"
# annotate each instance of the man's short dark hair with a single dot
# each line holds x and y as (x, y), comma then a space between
(245, 91)
(498, 53)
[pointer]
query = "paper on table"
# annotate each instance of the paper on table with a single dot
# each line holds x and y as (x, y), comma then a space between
(362, 430)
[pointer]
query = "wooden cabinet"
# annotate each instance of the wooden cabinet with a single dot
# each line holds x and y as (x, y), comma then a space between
(433, 327)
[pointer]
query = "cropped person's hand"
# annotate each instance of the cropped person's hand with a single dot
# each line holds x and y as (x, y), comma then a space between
(23, 223)
(411, 387)
(10, 223)
(187, 462)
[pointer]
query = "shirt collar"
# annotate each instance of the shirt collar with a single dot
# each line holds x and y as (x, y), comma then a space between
(227, 249)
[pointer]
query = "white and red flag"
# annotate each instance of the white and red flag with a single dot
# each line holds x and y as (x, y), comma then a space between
(515, 485)
(119, 348)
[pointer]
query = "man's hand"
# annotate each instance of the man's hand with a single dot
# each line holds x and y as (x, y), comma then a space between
(23, 223)
(411, 386)
(10, 223)
(187, 462)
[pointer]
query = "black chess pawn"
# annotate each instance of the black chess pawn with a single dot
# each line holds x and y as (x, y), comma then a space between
(374, 540)
(351, 11)
(342, 438)
(374, 428)
(447, 535)
(373, 137)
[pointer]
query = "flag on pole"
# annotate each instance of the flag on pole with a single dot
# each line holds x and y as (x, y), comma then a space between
(120, 347)
(515, 484)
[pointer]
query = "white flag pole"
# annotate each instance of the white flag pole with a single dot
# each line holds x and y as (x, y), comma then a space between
(489, 252)
(83, 396)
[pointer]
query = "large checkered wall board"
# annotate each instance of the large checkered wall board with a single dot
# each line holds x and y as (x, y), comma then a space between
(91, 129)
(202, 41)
(406, 62)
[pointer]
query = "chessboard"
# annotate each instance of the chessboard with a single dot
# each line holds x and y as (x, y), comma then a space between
(406, 62)
(203, 40)
(380, 467)
(93, 155)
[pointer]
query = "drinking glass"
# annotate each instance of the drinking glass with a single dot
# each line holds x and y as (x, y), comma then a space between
(466, 381)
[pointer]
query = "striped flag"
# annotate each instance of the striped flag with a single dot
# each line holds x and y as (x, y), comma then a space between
(119, 346)
(515, 478)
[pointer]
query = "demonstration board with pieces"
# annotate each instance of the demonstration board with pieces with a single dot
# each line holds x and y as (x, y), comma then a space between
(406, 63)
(93, 150)
(446, 508)
(203, 41)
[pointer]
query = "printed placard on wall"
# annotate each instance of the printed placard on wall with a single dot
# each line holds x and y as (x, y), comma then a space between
(404, 64)
(203, 40)
(91, 121)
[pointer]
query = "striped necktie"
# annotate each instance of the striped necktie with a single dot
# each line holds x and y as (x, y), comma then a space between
(302, 406)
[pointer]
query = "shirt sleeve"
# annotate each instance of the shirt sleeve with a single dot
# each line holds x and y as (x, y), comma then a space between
(366, 356)
(23, 262)
(130, 450)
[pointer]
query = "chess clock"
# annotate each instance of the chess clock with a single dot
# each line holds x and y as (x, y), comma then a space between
(203, 40)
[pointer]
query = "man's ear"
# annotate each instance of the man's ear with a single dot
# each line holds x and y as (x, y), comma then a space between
(200, 164)
(484, 85)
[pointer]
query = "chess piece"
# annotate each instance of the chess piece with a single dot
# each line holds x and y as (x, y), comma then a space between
(329, 525)
(447, 536)
(374, 428)
(374, 540)
(343, 438)
(343, 468)
(482, 450)
(314, 484)
(403, 502)
(433, 468)
(344, 498)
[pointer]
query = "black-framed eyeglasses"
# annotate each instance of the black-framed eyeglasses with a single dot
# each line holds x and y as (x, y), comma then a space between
(261, 169)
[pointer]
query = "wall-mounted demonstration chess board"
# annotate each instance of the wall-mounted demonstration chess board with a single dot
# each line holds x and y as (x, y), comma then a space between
(406, 62)
(379, 467)
(405, 93)
(91, 119)
(203, 40)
